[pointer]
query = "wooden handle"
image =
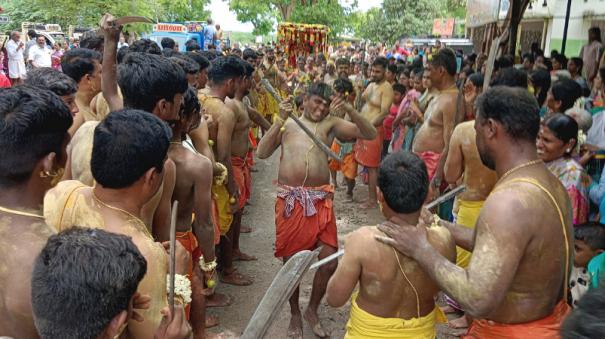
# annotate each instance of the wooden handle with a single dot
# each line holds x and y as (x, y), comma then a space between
(171, 266)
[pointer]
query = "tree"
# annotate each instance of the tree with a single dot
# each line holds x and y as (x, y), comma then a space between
(398, 18)
(263, 14)
(88, 12)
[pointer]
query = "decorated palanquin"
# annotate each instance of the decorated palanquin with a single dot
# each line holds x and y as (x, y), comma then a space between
(302, 40)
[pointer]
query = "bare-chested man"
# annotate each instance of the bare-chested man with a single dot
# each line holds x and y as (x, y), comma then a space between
(128, 162)
(396, 298)
(516, 281)
(224, 76)
(240, 147)
(432, 141)
(33, 138)
(304, 176)
(378, 98)
(193, 192)
(84, 66)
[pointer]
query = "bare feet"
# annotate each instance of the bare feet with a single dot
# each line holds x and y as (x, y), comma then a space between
(295, 328)
(222, 335)
(245, 229)
(235, 278)
(313, 320)
(218, 300)
(461, 322)
(211, 321)
(368, 205)
(349, 198)
(241, 256)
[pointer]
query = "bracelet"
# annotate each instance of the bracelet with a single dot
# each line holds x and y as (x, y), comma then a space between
(179, 300)
(207, 267)
(279, 120)
(182, 287)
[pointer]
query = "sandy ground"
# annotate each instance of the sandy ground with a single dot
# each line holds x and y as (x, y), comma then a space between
(260, 243)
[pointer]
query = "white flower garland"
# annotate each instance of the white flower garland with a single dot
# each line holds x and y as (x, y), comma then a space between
(182, 287)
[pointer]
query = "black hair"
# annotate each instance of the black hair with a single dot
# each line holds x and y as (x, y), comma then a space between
(477, 79)
(592, 233)
(505, 61)
(78, 62)
(188, 65)
(92, 41)
(342, 61)
(298, 101)
(528, 56)
(33, 123)
(53, 80)
(567, 91)
(145, 79)
(248, 68)
(586, 320)
(200, 59)
(561, 59)
(122, 54)
(225, 68)
(191, 103)
(563, 127)
(392, 69)
(81, 280)
(445, 58)
(321, 90)
(381, 61)
(169, 52)
(596, 31)
(579, 63)
(208, 55)
(168, 43)
(126, 145)
(343, 85)
(397, 87)
(404, 181)
(192, 45)
(236, 51)
(249, 53)
(541, 78)
(145, 46)
(31, 33)
(418, 72)
(511, 77)
(514, 108)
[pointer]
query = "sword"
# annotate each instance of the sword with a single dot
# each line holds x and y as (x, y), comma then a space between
(323, 147)
(447, 196)
(171, 266)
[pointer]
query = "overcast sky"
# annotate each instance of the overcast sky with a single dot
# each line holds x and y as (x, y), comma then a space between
(228, 20)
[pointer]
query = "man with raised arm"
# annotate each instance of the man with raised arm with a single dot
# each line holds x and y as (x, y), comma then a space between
(304, 215)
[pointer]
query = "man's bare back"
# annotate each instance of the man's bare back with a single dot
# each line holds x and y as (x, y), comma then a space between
(463, 159)
(534, 282)
(384, 291)
(438, 124)
(23, 237)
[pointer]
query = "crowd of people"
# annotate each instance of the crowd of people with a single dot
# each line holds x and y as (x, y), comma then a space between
(96, 150)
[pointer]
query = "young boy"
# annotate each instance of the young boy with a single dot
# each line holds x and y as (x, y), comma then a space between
(395, 297)
(398, 95)
(589, 259)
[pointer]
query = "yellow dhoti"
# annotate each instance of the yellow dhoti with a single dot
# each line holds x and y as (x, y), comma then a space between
(221, 196)
(467, 217)
(363, 325)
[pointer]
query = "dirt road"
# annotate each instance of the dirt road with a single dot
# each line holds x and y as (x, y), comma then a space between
(260, 243)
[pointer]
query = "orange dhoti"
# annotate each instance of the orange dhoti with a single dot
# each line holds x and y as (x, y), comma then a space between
(253, 145)
(241, 174)
(348, 166)
(189, 242)
(304, 216)
(548, 327)
(369, 152)
(431, 160)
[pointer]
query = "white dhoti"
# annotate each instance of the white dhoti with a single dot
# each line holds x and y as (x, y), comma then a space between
(16, 69)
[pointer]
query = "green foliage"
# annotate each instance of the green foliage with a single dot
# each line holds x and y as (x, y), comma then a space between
(86, 13)
(263, 14)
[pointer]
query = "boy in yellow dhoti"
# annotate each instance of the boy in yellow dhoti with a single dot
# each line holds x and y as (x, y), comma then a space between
(395, 297)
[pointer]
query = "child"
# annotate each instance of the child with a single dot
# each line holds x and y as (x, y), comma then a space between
(588, 260)
(398, 95)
